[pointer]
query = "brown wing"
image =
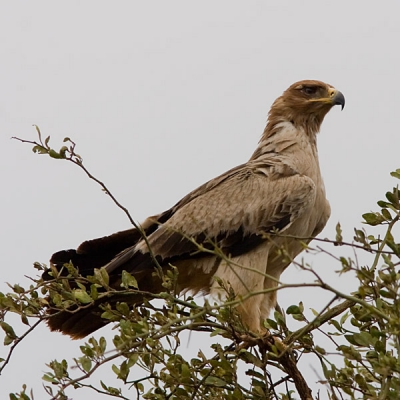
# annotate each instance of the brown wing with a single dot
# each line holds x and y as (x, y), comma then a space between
(234, 214)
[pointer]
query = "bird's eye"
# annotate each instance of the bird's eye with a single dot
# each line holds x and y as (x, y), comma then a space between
(309, 90)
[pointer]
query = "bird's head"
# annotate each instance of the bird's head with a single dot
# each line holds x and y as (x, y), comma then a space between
(305, 104)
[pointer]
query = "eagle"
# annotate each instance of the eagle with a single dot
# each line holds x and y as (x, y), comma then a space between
(249, 214)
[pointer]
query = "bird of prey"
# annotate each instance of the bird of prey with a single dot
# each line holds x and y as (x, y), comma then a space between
(248, 213)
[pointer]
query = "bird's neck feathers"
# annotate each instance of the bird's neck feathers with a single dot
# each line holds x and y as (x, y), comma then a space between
(288, 125)
(282, 137)
(298, 114)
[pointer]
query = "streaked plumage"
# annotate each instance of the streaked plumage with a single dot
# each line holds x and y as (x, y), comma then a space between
(280, 189)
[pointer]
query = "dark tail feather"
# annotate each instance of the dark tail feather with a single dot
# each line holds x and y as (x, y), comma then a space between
(82, 322)
(95, 253)
(79, 324)
(90, 255)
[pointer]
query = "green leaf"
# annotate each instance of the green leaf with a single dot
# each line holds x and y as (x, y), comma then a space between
(280, 319)
(214, 381)
(344, 317)
(396, 174)
(94, 294)
(256, 374)
(335, 324)
(383, 204)
(249, 358)
(139, 386)
(393, 197)
(104, 278)
(103, 344)
(115, 370)
(363, 339)
(87, 351)
(132, 360)
(360, 381)
(128, 280)
(59, 368)
(63, 151)
(8, 329)
(49, 378)
(18, 289)
(24, 319)
(380, 346)
(373, 218)
(350, 339)
(339, 237)
(315, 312)
(386, 214)
(217, 332)
(39, 149)
(82, 296)
(38, 132)
(123, 308)
(54, 154)
(8, 340)
(270, 324)
(387, 294)
(298, 317)
(293, 310)
(185, 371)
(350, 352)
(114, 391)
(110, 316)
(86, 363)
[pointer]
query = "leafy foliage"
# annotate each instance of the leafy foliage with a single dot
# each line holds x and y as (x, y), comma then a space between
(364, 327)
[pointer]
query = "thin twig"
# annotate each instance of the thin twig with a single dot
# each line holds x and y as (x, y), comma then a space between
(320, 320)
(16, 343)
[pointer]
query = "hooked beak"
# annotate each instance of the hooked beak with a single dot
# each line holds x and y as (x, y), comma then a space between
(336, 97)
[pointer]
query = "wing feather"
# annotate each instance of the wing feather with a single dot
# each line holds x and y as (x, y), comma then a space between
(232, 211)
(242, 205)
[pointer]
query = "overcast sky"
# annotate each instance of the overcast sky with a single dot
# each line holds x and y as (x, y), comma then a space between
(160, 97)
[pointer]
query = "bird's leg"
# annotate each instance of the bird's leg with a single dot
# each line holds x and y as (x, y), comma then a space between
(245, 276)
(270, 285)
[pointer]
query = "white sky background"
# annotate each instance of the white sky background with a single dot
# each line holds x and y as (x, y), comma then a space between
(162, 96)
